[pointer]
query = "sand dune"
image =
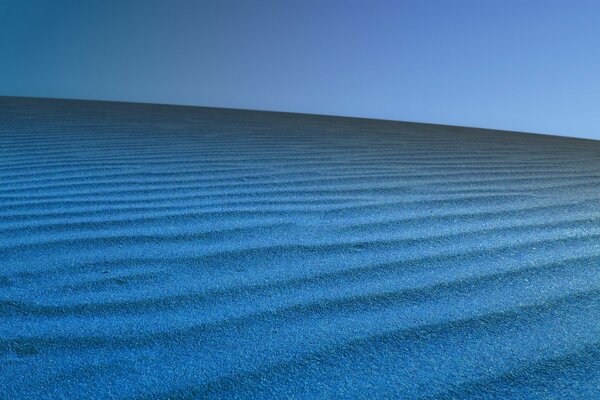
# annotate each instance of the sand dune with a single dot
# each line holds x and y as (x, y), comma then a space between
(151, 251)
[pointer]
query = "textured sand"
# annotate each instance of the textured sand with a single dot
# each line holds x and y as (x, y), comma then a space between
(176, 252)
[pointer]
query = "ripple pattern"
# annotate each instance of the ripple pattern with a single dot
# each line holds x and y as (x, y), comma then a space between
(171, 252)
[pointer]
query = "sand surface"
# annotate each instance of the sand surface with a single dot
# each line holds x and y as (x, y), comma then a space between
(162, 252)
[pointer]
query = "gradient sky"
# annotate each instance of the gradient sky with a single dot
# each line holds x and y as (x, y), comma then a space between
(518, 65)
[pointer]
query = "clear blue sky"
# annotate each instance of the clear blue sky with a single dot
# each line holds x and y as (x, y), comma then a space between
(527, 65)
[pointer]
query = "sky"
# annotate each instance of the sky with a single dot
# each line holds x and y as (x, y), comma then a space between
(517, 65)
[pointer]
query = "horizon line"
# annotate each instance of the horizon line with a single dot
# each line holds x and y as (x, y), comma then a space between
(298, 113)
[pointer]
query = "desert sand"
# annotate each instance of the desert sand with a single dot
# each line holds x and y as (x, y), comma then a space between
(153, 251)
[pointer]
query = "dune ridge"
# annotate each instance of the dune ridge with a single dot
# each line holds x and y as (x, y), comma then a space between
(154, 251)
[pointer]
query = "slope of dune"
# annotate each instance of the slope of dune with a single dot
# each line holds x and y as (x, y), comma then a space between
(151, 251)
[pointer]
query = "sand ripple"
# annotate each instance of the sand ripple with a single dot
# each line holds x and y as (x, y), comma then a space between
(152, 251)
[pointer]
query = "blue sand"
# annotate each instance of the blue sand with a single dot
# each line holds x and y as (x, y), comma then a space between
(163, 252)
